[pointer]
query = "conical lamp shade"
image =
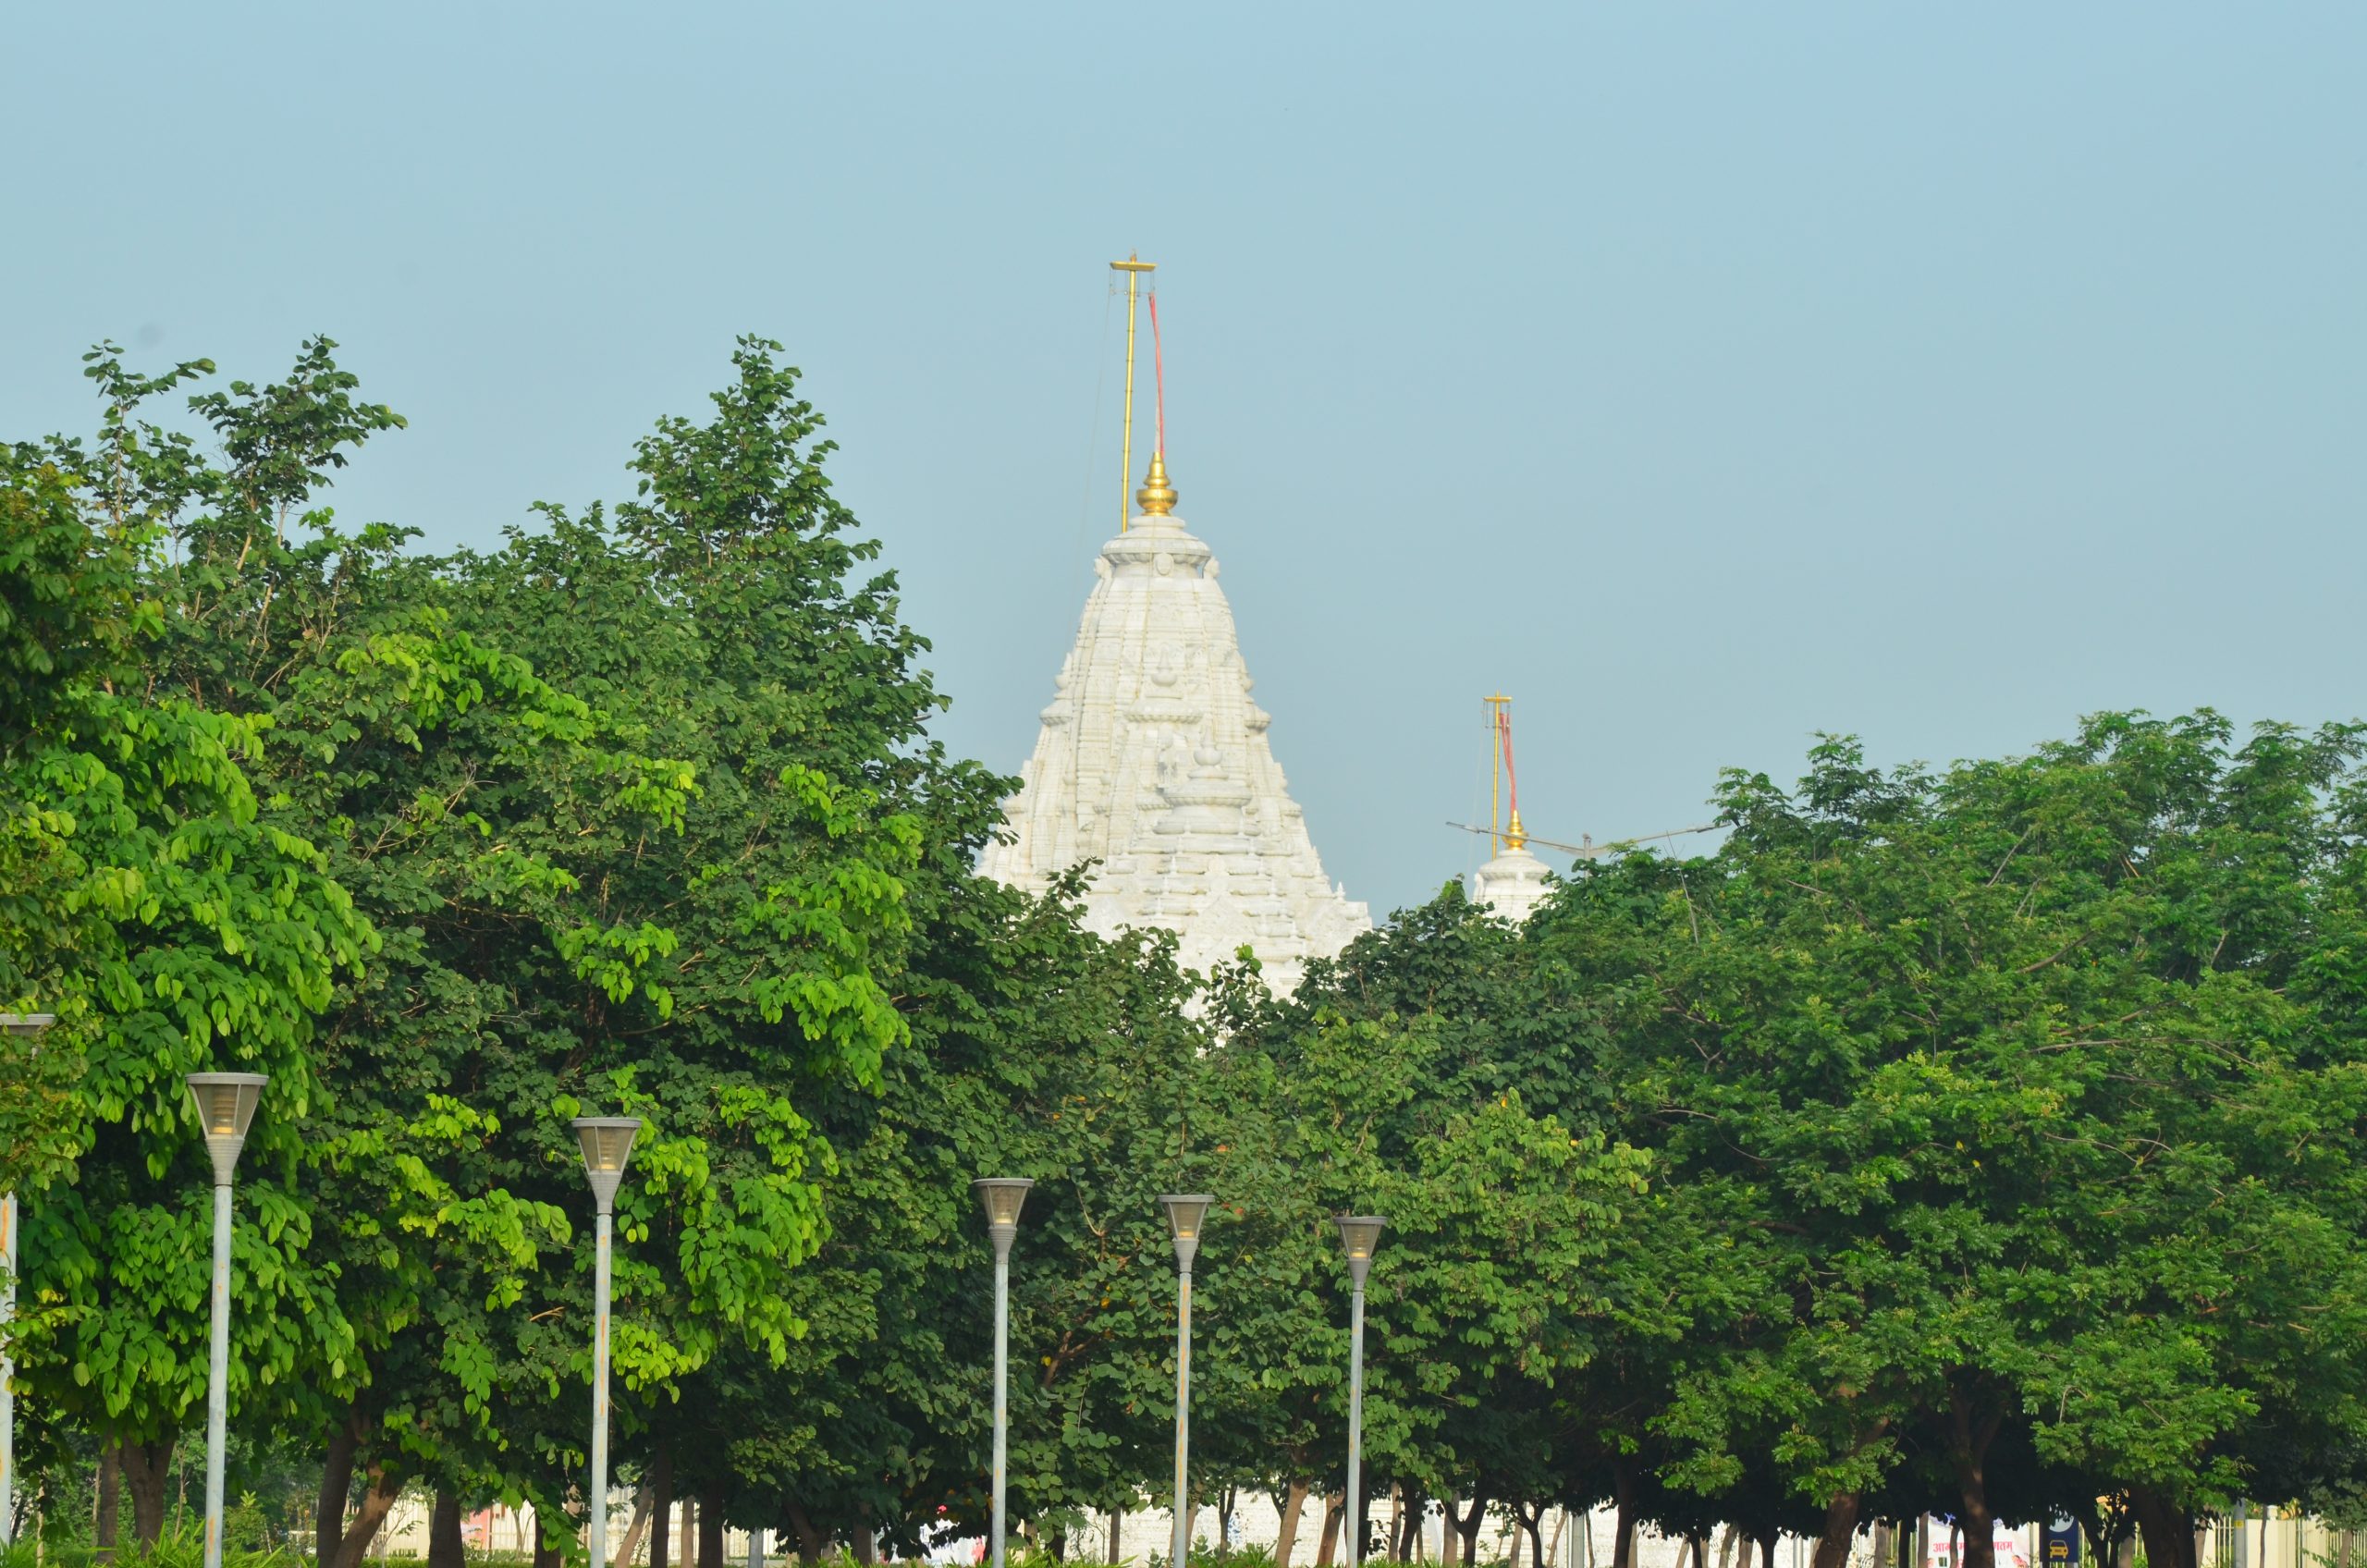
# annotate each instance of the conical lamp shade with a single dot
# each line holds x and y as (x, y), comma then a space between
(606, 1141)
(1002, 1196)
(225, 1106)
(1360, 1234)
(1186, 1212)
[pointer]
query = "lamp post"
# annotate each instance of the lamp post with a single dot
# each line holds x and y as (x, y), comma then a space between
(1185, 1213)
(1359, 1233)
(11, 1024)
(1002, 1196)
(226, 1105)
(607, 1143)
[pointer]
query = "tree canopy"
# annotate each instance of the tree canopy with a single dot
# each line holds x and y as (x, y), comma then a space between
(1980, 1140)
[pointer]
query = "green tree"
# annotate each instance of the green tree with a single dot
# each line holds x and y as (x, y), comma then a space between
(1398, 1081)
(1039, 1050)
(748, 960)
(179, 930)
(1978, 1066)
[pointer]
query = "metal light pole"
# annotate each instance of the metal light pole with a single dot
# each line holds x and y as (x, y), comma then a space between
(1002, 1196)
(607, 1143)
(1360, 1233)
(1185, 1213)
(226, 1104)
(12, 1023)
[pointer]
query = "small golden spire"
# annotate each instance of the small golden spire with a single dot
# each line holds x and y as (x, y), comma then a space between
(1156, 497)
(1515, 835)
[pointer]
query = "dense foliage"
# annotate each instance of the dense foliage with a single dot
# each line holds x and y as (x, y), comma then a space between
(1983, 1141)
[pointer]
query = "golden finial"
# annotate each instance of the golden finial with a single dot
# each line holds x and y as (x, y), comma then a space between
(1156, 497)
(1515, 837)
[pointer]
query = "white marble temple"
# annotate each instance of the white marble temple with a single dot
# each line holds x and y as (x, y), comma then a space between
(1153, 760)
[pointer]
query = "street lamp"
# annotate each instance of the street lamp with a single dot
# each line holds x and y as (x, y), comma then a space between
(1185, 1213)
(14, 1024)
(1002, 1196)
(1359, 1233)
(226, 1104)
(608, 1144)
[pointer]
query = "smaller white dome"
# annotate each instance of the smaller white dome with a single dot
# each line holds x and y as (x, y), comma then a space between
(1511, 884)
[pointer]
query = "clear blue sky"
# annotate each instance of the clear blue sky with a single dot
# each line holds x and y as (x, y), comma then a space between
(1702, 376)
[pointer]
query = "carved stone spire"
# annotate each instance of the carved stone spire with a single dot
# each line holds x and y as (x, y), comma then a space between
(1153, 760)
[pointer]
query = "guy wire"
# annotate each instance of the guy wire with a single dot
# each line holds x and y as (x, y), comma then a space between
(1084, 503)
(1093, 428)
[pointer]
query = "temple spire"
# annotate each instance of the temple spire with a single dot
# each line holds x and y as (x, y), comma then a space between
(1512, 883)
(1154, 769)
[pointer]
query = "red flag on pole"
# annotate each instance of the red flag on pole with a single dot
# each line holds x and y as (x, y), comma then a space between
(1159, 376)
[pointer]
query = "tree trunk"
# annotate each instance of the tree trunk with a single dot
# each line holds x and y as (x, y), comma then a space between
(711, 1527)
(103, 1514)
(146, 1473)
(661, 1507)
(1335, 1504)
(1622, 1538)
(377, 1501)
(1117, 1524)
(1971, 1436)
(1450, 1544)
(336, 1487)
(1293, 1504)
(2168, 1531)
(547, 1551)
(1840, 1529)
(1469, 1525)
(1409, 1532)
(445, 1547)
(809, 1540)
(1766, 1546)
(1553, 1546)
(867, 1545)
(1531, 1521)
(630, 1547)
(686, 1545)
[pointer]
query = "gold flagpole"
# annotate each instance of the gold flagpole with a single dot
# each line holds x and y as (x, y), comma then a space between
(1499, 708)
(1133, 269)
